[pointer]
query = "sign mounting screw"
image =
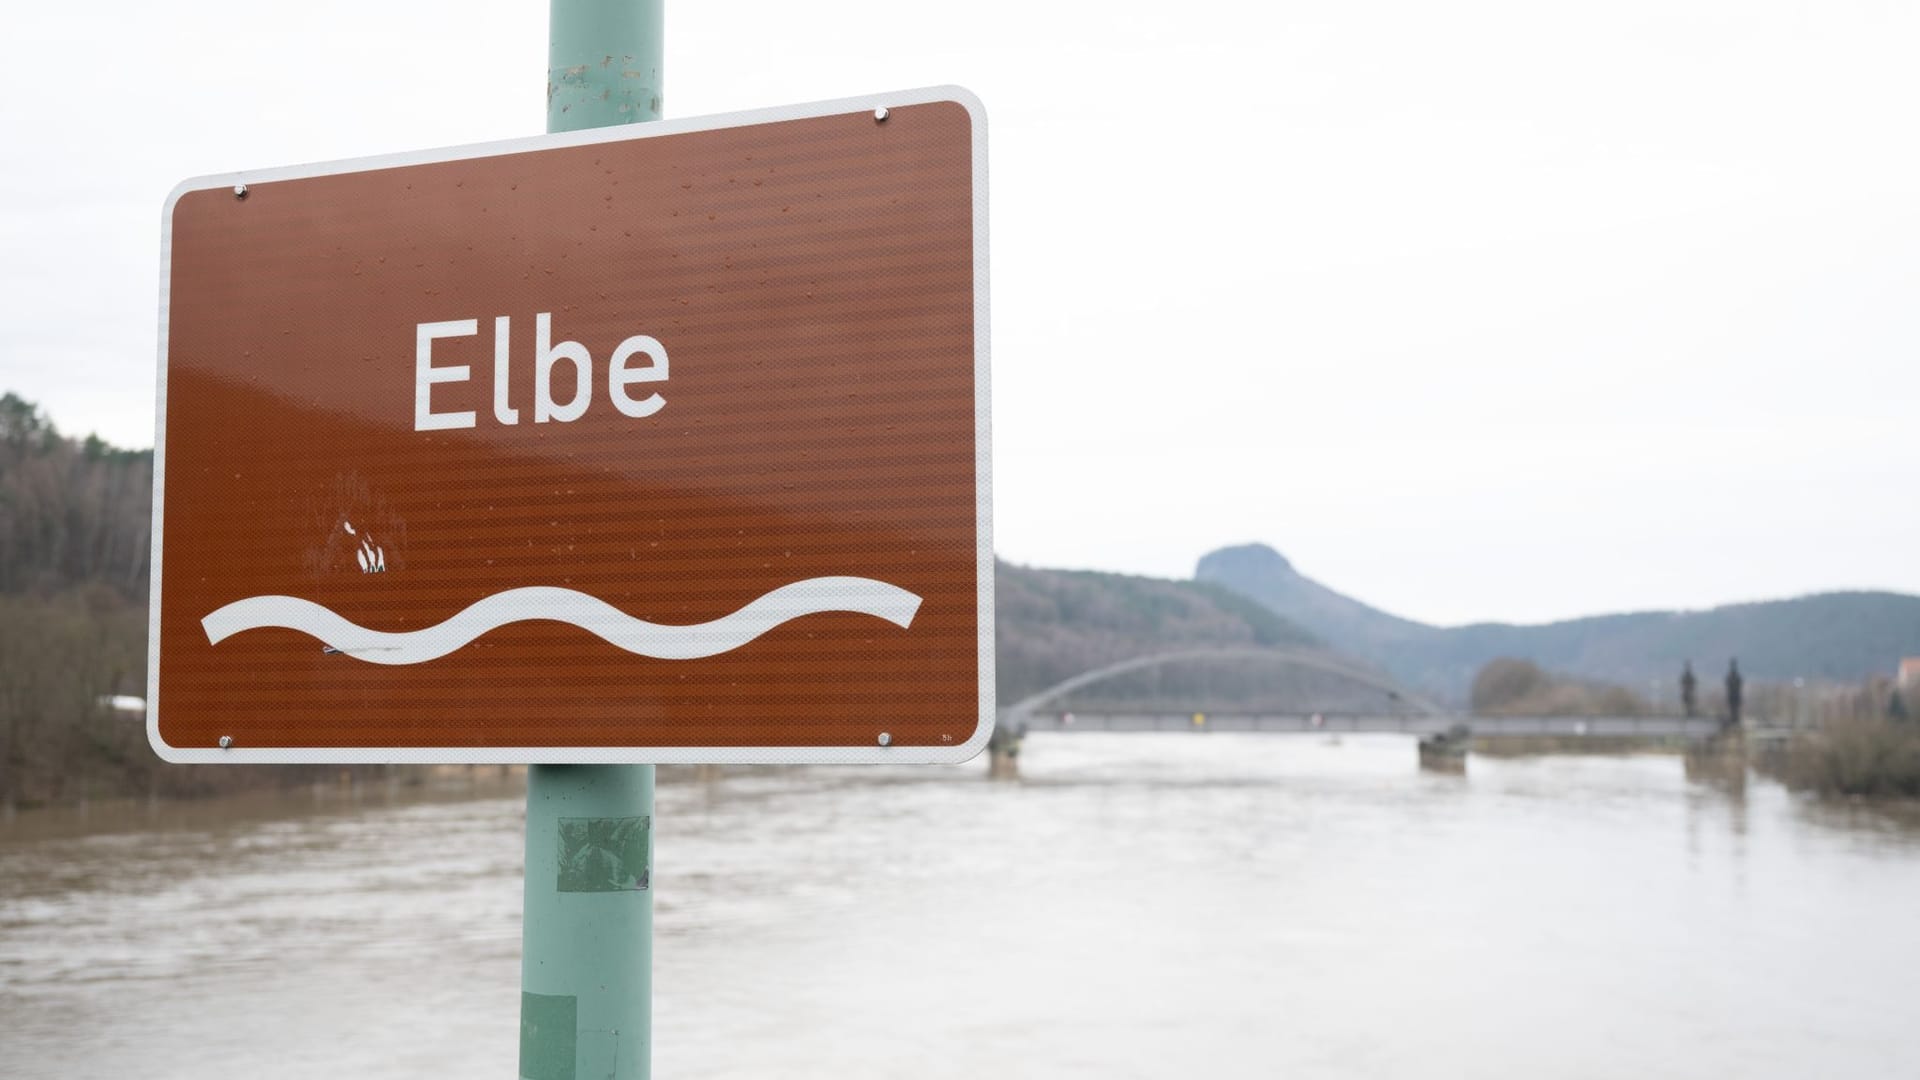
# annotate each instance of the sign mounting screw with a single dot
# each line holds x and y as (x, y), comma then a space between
(885, 739)
(880, 115)
(226, 741)
(239, 191)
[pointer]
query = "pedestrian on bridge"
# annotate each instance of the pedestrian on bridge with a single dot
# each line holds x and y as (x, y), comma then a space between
(1734, 683)
(1687, 686)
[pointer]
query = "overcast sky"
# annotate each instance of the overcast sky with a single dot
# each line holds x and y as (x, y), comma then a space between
(1480, 310)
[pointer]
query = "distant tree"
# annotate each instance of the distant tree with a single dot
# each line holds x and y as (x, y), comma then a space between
(22, 424)
(1506, 681)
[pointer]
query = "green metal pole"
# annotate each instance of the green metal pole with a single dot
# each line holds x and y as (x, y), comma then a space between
(586, 962)
(603, 63)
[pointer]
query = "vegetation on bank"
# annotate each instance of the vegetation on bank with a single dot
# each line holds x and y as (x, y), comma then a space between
(1509, 686)
(1861, 741)
(65, 656)
(1872, 757)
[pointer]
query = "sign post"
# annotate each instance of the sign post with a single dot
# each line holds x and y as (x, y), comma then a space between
(586, 932)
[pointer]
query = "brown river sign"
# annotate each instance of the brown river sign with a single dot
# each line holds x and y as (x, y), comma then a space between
(657, 443)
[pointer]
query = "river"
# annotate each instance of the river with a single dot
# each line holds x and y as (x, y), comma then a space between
(1135, 906)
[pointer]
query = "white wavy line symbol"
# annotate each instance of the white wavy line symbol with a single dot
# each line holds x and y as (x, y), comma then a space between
(545, 603)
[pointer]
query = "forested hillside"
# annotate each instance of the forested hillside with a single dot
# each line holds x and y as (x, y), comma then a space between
(1051, 625)
(71, 512)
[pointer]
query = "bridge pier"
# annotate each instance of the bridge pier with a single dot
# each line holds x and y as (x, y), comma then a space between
(1003, 751)
(1446, 751)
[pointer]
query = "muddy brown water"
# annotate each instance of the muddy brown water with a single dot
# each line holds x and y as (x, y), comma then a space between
(1135, 905)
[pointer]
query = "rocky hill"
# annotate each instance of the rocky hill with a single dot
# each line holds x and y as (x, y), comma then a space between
(1842, 637)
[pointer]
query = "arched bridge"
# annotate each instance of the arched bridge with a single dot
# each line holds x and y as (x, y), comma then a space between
(1405, 711)
(1299, 658)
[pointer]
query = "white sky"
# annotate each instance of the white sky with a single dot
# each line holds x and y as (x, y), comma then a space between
(1476, 311)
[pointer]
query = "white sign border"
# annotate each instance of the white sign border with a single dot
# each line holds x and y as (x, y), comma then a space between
(876, 754)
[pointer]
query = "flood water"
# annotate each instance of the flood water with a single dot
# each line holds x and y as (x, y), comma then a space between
(1136, 905)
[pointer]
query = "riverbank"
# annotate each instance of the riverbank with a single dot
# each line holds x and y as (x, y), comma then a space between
(1861, 758)
(275, 791)
(226, 807)
(129, 778)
